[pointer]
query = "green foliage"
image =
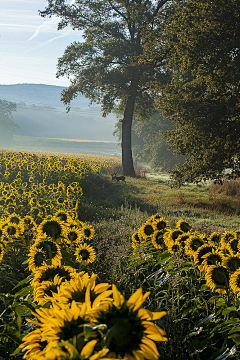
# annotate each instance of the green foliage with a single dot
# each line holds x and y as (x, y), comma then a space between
(202, 99)
(7, 124)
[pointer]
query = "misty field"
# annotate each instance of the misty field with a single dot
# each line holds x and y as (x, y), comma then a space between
(108, 148)
(93, 268)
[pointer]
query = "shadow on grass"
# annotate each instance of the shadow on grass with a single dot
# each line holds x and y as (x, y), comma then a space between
(103, 198)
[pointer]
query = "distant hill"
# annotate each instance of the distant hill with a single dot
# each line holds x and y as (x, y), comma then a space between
(40, 113)
(39, 94)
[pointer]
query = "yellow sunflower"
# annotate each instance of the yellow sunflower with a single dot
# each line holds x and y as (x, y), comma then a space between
(88, 232)
(73, 235)
(174, 247)
(226, 237)
(232, 263)
(42, 252)
(217, 277)
(130, 330)
(76, 289)
(193, 243)
(33, 346)
(147, 230)
(85, 254)
(200, 252)
(158, 239)
(183, 226)
(235, 281)
(160, 223)
(48, 272)
(136, 239)
(215, 237)
(44, 292)
(214, 257)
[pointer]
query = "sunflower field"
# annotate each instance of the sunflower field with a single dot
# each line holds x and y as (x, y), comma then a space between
(177, 297)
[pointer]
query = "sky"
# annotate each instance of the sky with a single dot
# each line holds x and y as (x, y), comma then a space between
(31, 45)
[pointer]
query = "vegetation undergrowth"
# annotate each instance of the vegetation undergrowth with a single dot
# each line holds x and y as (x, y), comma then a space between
(79, 251)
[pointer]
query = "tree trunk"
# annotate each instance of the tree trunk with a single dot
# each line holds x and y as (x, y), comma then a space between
(127, 160)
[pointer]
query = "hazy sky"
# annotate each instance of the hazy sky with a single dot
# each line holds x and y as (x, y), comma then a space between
(31, 45)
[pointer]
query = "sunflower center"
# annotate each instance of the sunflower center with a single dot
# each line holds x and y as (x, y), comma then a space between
(161, 225)
(148, 230)
(159, 239)
(125, 329)
(52, 228)
(84, 254)
(196, 243)
(71, 328)
(220, 276)
(87, 232)
(11, 230)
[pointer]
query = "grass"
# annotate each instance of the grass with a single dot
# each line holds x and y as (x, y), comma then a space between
(198, 203)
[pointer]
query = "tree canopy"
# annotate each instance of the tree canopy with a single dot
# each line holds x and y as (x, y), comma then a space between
(203, 98)
(109, 66)
(7, 124)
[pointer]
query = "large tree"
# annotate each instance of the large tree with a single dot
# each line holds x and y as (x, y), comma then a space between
(109, 65)
(7, 124)
(203, 98)
(149, 144)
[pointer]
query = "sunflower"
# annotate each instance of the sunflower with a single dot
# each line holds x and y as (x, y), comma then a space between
(32, 345)
(226, 237)
(154, 218)
(193, 243)
(183, 238)
(86, 353)
(183, 226)
(11, 231)
(174, 247)
(62, 324)
(44, 250)
(136, 239)
(73, 235)
(3, 250)
(147, 230)
(235, 281)
(76, 289)
(44, 292)
(52, 228)
(212, 258)
(200, 252)
(62, 215)
(88, 232)
(85, 254)
(215, 237)
(158, 239)
(48, 272)
(234, 245)
(217, 277)
(232, 263)
(174, 234)
(29, 222)
(130, 329)
(160, 223)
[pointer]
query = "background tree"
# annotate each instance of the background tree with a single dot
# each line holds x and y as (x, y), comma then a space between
(7, 124)
(203, 98)
(109, 65)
